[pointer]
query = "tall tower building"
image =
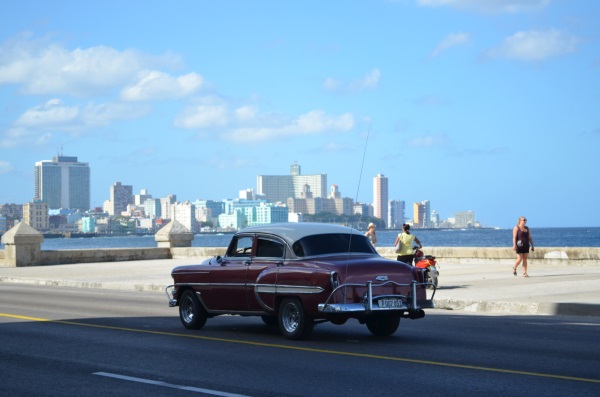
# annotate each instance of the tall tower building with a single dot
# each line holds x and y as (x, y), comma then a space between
(120, 197)
(395, 214)
(380, 198)
(63, 183)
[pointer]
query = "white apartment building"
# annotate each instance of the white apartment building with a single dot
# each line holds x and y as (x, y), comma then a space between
(35, 214)
(278, 188)
(380, 198)
(184, 213)
(395, 214)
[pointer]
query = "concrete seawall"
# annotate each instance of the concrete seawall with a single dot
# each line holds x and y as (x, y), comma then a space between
(580, 256)
(66, 257)
(577, 256)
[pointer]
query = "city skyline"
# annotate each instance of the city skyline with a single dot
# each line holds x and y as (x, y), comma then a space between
(295, 186)
(472, 105)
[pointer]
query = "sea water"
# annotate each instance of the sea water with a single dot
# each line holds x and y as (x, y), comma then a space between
(542, 237)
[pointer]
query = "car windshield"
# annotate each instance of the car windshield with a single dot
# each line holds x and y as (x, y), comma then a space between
(323, 244)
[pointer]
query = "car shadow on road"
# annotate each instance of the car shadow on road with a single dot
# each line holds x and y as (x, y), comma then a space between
(451, 287)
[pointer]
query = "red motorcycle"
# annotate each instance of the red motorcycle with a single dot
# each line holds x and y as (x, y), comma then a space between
(427, 262)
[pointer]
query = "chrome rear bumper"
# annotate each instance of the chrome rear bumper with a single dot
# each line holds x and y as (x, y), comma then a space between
(370, 303)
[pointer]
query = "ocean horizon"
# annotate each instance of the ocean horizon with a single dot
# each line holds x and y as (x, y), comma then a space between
(542, 237)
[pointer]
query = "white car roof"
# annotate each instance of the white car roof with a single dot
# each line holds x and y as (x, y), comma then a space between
(295, 231)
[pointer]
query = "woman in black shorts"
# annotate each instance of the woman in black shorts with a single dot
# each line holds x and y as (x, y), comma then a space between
(522, 242)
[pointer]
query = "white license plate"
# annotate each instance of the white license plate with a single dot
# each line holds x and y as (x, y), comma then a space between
(390, 303)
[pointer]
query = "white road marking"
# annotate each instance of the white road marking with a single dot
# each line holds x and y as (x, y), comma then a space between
(172, 386)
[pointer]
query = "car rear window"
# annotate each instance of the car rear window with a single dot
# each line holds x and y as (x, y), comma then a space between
(323, 244)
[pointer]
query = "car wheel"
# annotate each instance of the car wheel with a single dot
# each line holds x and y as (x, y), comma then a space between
(271, 321)
(294, 323)
(383, 324)
(191, 312)
(432, 280)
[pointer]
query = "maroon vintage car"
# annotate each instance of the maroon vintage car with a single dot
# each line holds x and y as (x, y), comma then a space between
(297, 274)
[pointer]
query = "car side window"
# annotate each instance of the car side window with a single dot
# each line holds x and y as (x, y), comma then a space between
(267, 248)
(242, 247)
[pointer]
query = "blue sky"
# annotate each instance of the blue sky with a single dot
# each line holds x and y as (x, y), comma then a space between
(491, 106)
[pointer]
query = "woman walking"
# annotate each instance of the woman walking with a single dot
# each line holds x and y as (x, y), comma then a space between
(522, 241)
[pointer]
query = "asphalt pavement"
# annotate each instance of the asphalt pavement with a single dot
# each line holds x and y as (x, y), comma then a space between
(491, 288)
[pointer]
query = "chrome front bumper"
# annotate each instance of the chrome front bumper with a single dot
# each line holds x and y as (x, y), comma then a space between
(370, 303)
(169, 291)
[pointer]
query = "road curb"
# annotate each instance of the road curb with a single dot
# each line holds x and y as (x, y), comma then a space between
(86, 284)
(543, 308)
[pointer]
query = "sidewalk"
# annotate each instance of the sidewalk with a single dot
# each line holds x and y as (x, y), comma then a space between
(490, 288)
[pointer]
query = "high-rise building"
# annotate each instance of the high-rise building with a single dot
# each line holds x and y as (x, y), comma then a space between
(464, 219)
(63, 183)
(380, 197)
(278, 188)
(308, 204)
(140, 199)
(422, 214)
(120, 197)
(165, 205)
(395, 214)
(152, 208)
(184, 213)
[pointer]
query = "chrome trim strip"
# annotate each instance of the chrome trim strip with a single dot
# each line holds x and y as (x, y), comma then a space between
(211, 284)
(287, 289)
(263, 288)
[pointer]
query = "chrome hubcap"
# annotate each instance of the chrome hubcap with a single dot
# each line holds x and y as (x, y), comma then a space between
(187, 310)
(290, 318)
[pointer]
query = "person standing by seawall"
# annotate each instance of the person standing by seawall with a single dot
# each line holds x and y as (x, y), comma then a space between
(522, 241)
(371, 234)
(406, 253)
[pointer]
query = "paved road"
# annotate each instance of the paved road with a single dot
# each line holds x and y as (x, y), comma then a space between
(93, 342)
(489, 288)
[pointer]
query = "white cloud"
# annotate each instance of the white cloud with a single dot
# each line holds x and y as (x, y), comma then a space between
(156, 85)
(203, 116)
(312, 123)
(452, 40)
(42, 68)
(5, 167)
(245, 113)
(54, 114)
(489, 6)
(368, 82)
(17, 136)
(534, 45)
(247, 124)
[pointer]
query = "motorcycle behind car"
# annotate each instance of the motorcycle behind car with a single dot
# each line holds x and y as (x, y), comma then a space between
(427, 262)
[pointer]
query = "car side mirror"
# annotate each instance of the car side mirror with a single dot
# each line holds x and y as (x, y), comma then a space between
(219, 260)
